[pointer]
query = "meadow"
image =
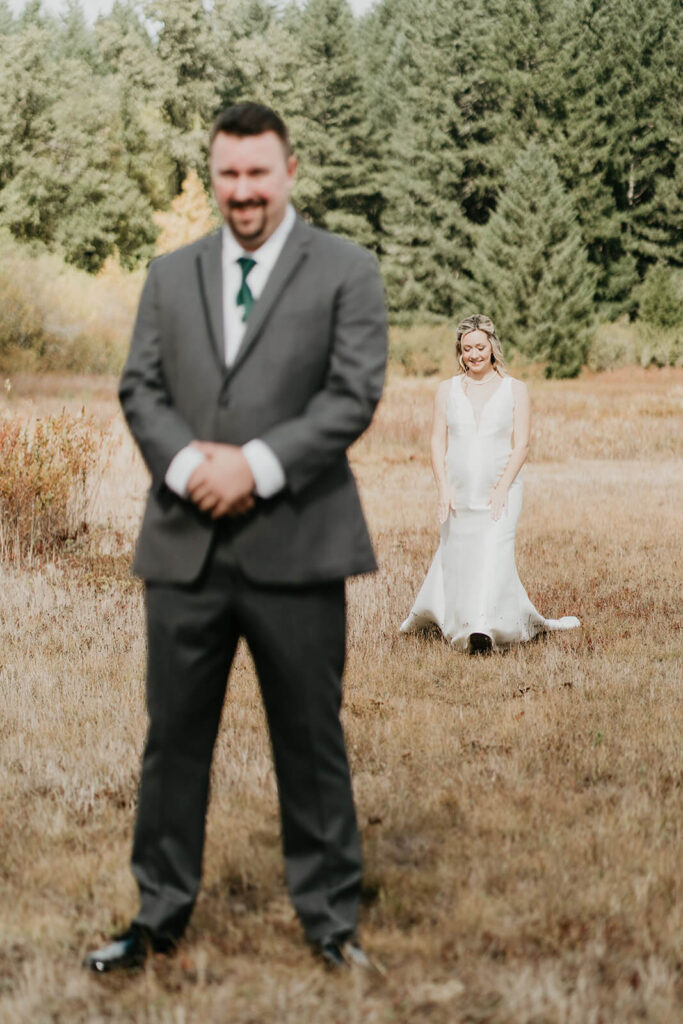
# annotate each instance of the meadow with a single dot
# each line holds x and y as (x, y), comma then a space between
(522, 814)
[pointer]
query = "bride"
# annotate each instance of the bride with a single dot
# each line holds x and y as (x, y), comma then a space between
(480, 440)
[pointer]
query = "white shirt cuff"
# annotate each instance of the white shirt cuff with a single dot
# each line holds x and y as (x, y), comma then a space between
(181, 468)
(269, 476)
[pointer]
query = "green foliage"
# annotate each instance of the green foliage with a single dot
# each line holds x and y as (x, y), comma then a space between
(660, 297)
(530, 272)
(337, 186)
(64, 165)
(189, 61)
(406, 124)
(626, 344)
(618, 136)
(613, 345)
(425, 230)
(6, 18)
(658, 346)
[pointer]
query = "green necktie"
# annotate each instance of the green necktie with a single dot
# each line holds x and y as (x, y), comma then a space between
(244, 296)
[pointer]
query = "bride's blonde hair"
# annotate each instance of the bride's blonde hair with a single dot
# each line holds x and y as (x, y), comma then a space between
(479, 322)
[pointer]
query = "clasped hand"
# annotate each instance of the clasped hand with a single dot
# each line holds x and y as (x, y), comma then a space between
(223, 484)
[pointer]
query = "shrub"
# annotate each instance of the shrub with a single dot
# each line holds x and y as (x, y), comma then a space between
(423, 351)
(55, 317)
(44, 492)
(20, 321)
(613, 345)
(629, 344)
(658, 346)
(660, 297)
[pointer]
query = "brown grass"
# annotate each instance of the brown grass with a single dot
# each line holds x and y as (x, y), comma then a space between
(521, 814)
(55, 317)
(46, 484)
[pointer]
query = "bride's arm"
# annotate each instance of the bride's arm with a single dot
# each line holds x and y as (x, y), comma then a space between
(438, 447)
(521, 430)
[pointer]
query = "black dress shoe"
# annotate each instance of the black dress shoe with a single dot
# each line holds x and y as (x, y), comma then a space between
(340, 953)
(480, 643)
(127, 951)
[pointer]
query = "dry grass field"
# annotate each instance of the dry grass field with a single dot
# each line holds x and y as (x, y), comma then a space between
(522, 814)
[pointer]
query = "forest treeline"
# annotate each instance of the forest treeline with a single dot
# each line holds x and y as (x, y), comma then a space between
(518, 156)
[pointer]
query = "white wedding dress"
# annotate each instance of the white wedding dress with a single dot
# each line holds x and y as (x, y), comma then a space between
(472, 585)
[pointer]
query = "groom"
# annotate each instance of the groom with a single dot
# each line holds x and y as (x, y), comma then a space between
(257, 358)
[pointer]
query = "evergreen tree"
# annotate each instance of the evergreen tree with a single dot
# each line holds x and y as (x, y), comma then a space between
(75, 38)
(6, 18)
(261, 57)
(64, 168)
(660, 297)
(33, 14)
(422, 221)
(530, 272)
(618, 136)
(188, 92)
(130, 64)
(26, 94)
(337, 183)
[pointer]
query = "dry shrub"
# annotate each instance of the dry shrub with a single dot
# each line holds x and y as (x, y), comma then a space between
(55, 317)
(630, 344)
(44, 490)
(20, 321)
(422, 351)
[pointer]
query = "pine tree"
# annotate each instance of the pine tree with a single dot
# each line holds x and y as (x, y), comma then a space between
(660, 297)
(424, 227)
(464, 88)
(261, 57)
(189, 55)
(337, 185)
(530, 272)
(6, 18)
(133, 71)
(76, 39)
(64, 177)
(618, 137)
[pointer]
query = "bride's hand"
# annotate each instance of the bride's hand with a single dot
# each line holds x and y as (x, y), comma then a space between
(497, 502)
(446, 505)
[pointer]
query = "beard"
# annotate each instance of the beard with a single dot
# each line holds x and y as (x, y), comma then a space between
(259, 223)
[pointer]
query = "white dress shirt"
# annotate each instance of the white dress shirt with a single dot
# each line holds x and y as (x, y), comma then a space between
(269, 477)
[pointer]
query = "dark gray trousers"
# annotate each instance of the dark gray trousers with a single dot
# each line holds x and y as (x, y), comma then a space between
(297, 639)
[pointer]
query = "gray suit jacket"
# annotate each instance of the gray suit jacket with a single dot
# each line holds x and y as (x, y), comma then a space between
(306, 381)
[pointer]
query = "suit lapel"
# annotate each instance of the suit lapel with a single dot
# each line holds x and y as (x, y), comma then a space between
(210, 272)
(293, 253)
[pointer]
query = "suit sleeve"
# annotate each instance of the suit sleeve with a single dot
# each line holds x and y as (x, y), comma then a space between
(158, 428)
(339, 413)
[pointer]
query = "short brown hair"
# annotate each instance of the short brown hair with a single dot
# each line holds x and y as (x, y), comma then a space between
(251, 119)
